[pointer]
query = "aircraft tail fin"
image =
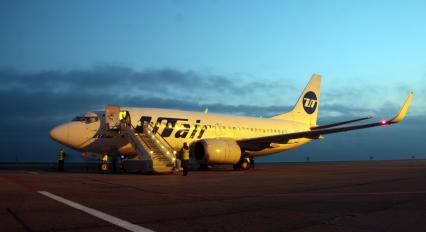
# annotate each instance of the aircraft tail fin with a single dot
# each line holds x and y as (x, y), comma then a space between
(306, 108)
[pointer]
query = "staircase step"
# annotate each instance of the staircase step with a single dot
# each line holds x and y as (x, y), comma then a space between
(162, 162)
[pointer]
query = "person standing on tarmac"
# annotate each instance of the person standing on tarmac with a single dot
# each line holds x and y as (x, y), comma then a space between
(185, 158)
(114, 155)
(61, 160)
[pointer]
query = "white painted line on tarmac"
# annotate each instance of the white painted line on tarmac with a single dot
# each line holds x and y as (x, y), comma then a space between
(106, 217)
(34, 173)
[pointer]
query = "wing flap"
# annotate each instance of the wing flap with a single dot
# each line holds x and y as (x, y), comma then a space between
(339, 123)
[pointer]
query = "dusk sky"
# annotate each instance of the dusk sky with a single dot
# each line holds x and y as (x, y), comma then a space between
(63, 58)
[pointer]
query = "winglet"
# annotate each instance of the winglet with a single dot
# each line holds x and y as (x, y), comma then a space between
(401, 115)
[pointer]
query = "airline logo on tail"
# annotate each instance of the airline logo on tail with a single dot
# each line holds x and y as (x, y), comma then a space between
(310, 102)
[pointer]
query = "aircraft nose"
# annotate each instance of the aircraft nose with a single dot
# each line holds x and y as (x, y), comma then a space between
(60, 133)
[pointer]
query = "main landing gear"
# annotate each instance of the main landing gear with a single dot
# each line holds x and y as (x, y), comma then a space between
(243, 164)
(204, 167)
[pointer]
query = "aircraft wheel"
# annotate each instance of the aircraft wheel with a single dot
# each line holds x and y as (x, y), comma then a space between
(241, 166)
(204, 167)
(245, 165)
(104, 167)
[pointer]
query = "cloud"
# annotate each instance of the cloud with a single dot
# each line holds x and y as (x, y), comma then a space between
(33, 103)
(49, 93)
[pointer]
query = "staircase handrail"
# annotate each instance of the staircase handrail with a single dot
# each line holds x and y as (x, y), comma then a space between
(131, 136)
(147, 128)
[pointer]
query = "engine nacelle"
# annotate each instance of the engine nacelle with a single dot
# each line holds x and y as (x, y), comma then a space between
(217, 151)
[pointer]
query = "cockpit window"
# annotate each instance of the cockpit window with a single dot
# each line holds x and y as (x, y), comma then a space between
(85, 119)
(91, 119)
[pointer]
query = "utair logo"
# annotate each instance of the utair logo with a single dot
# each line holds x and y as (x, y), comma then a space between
(310, 102)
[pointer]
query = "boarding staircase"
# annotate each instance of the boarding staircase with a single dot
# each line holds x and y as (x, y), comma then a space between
(153, 150)
(154, 153)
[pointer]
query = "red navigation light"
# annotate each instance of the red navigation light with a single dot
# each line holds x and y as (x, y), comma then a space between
(384, 122)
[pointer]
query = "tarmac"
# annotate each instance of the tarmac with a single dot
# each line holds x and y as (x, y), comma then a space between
(342, 196)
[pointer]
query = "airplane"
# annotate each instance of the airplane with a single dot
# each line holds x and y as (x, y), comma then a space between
(156, 135)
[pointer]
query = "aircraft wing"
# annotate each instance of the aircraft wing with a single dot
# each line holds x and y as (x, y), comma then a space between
(259, 143)
(339, 123)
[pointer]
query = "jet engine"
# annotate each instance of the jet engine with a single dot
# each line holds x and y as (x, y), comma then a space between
(217, 151)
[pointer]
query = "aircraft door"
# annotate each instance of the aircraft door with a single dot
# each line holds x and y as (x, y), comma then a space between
(112, 116)
(127, 119)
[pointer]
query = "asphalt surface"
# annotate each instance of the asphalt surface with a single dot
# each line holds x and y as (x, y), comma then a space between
(359, 196)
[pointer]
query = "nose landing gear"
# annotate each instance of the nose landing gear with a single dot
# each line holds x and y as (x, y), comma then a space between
(104, 167)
